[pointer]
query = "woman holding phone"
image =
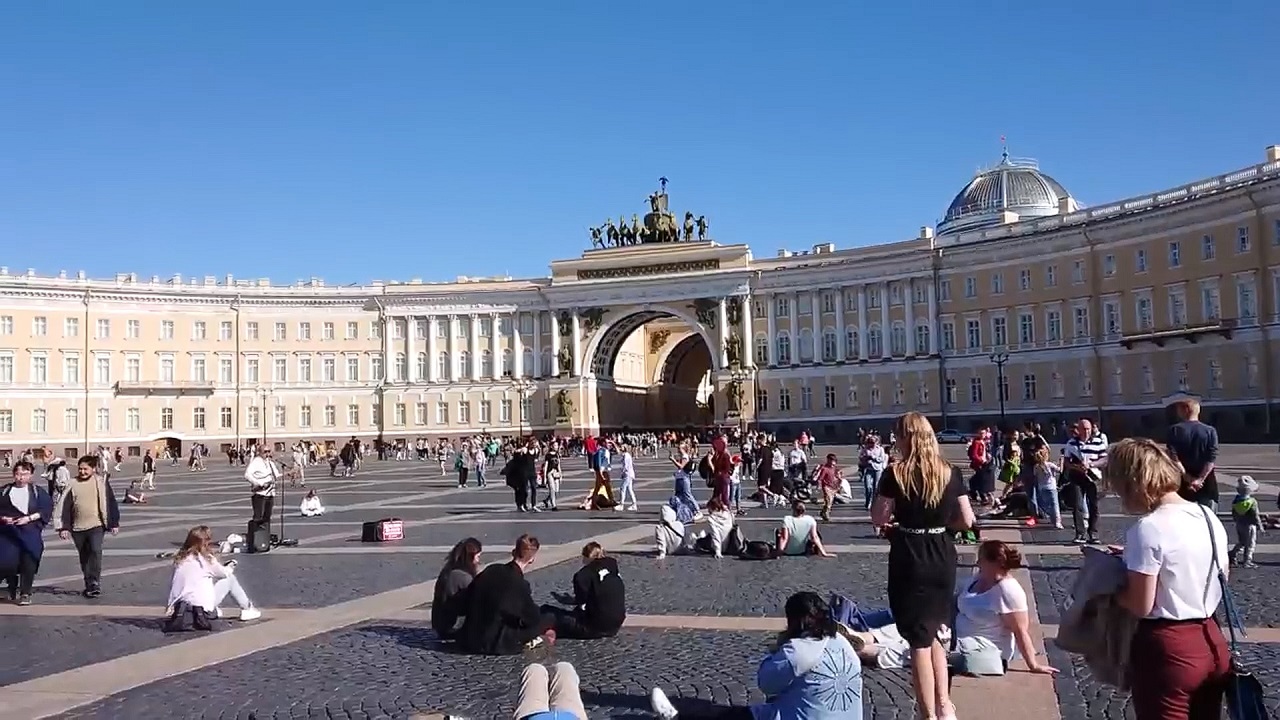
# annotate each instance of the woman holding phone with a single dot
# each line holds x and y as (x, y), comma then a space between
(202, 581)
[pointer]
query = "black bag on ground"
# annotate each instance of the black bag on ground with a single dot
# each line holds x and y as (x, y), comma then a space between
(758, 550)
(187, 618)
(735, 543)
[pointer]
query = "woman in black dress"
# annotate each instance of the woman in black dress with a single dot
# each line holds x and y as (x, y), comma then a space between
(924, 497)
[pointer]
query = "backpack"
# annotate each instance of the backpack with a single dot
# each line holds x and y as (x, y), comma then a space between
(758, 550)
(704, 468)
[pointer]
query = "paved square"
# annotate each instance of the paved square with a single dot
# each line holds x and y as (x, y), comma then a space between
(345, 632)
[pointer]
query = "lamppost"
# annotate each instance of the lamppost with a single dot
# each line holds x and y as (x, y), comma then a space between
(1000, 358)
(738, 376)
(264, 391)
(523, 386)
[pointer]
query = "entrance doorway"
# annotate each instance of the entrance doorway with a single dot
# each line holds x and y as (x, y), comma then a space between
(653, 372)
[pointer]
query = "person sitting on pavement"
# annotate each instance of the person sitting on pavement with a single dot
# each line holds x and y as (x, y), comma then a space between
(134, 495)
(721, 521)
(550, 696)
(673, 536)
(311, 505)
(811, 672)
(449, 600)
(502, 618)
(799, 534)
(201, 581)
(599, 599)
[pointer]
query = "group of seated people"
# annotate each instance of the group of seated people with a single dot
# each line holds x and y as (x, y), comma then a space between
(491, 610)
(797, 535)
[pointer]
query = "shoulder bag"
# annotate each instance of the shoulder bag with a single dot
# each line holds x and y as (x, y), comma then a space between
(1245, 696)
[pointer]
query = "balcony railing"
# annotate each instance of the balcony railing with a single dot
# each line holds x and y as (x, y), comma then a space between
(1191, 332)
(164, 387)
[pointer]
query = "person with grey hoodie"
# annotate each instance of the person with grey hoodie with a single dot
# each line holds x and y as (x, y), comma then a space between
(448, 602)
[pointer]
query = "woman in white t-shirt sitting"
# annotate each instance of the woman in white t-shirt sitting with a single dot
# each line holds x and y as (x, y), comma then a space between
(1172, 587)
(799, 534)
(311, 505)
(991, 621)
(201, 581)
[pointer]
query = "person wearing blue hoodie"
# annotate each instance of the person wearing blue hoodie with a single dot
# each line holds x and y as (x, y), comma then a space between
(812, 674)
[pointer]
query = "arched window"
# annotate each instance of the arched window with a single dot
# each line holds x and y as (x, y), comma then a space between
(875, 346)
(422, 367)
(464, 364)
(442, 367)
(806, 346)
(922, 339)
(508, 363)
(486, 364)
(762, 350)
(851, 344)
(898, 340)
(829, 345)
(402, 367)
(546, 364)
(784, 349)
(527, 362)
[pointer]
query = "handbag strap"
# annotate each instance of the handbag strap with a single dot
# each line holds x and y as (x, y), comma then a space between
(1234, 620)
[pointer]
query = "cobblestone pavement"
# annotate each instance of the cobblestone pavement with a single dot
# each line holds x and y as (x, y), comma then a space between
(391, 668)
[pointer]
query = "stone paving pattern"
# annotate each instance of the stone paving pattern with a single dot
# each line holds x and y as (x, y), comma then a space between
(390, 668)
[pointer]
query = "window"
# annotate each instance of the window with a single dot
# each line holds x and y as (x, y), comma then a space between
(922, 339)
(948, 336)
(784, 349)
(6, 422)
(999, 331)
(922, 391)
(1077, 272)
(326, 331)
(1246, 299)
(1080, 320)
(1140, 261)
(399, 414)
(997, 283)
(758, 309)
(166, 329)
(782, 307)
(304, 331)
(252, 416)
(279, 332)
(464, 330)
(133, 419)
(829, 345)
(1177, 308)
(970, 287)
(1251, 371)
(1215, 375)
(6, 324)
(304, 416)
(197, 418)
(508, 367)
(39, 421)
(1148, 380)
(353, 368)
(1242, 239)
(1059, 386)
(1210, 303)
(949, 388)
(975, 390)
(251, 330)
(6, 369)
(1086, 383)
(504, 412)
(279, 369)
(762, 400)
(442, 413)
(1028, 387)
(420, 413)
(353, 414)
(1145, 320)
(919, 293)
(166, 419)
(304, 369)
(899, 394)
(1111, 317)
(486, 328)
(873, 297)
(944, 290)
(199, 330)
(1024, 279)
(422, 367)
(102, 419)
(806, 346)
(71, 369)
(199, 371)
(101, 328)
(828, 302)
(1002, 388)
(133, 369)
(251, 370)
(330, 415)
(1026, 329)
(895, 293)
(377, 371)
(1108, 265)
(279, 416)
(1275, 233)
(224, 330)
(851, 349)
(224, 418)
(1051, 276)
(875, 344)
(784, 399)
(133, 329)
(464, 363)
(40, 326)
(1207, 249)
(102, 370)
(400, 369)
(806, 398)
(71, 420)
(486, 364)
(1117, 380)
(328, 369)
(1175, 254)
(973, 334)
(353, 330)
(829, 397)
(1053, 325)
(464, 412)
(39, 369)
(875, 394)
(442, 367)
(486, 412)
(71, 327)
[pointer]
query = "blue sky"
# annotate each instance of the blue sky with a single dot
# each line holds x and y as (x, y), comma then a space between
(390, 140)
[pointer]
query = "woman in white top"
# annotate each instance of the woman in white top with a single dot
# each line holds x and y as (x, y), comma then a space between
(1172, 587)
(311, 505)
(201, 581)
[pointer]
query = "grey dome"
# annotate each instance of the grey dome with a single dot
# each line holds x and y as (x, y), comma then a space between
(1015, 186)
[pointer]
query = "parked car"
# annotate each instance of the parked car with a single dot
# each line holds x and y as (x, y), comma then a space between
(952, 437)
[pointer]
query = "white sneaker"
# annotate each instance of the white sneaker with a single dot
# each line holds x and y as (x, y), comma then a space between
(250, 613)
(633, 508)
(661, 706)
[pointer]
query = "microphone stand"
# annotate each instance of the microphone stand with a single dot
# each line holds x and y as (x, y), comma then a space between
(281, 540)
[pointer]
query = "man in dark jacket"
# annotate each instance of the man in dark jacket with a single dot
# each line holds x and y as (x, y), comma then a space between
(502, 618)
(521, 472)
(599, 599)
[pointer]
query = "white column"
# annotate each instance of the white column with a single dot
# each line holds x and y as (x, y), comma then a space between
(722, 325)
(455, 373)
(933, 319)
(555, 344)
(886, 332)
(576, 329)
(410, 357)
(517, 347)
(793, 299)
(748, 348)
(388, 356)
(538, 370)
(772, 326)
(495, 344)
(433, 327)
(840, 328)
(862, 323)
(815, 317)
(910, 301)
(475, 347)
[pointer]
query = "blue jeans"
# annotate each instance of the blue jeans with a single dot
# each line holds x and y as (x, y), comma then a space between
(1045, 501)
(735, 495)
(870, 481)
(479, 469)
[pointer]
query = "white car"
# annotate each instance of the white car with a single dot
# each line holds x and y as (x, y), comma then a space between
(952, 437)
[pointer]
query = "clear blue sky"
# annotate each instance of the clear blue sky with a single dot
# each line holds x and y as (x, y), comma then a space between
(389, 140)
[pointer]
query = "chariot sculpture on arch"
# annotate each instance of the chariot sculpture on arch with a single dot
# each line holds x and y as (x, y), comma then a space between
(659, 226)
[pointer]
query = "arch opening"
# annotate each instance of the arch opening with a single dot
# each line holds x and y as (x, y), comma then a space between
(653, 371)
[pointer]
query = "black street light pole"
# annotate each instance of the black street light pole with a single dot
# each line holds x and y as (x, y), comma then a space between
(523, 387)
(1000, 358)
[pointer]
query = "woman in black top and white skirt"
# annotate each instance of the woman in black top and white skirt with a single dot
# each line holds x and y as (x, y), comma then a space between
(923, 496)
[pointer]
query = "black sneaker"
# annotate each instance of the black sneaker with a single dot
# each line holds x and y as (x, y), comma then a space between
(1093, 540)
(93, 593)
(1079, 540)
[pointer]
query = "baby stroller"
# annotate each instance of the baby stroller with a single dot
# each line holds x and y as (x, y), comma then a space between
(802, 485)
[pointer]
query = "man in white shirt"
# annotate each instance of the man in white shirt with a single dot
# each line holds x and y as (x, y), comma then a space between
(262, 473)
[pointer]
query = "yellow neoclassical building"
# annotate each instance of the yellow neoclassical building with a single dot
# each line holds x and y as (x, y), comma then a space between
(1018, 304)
